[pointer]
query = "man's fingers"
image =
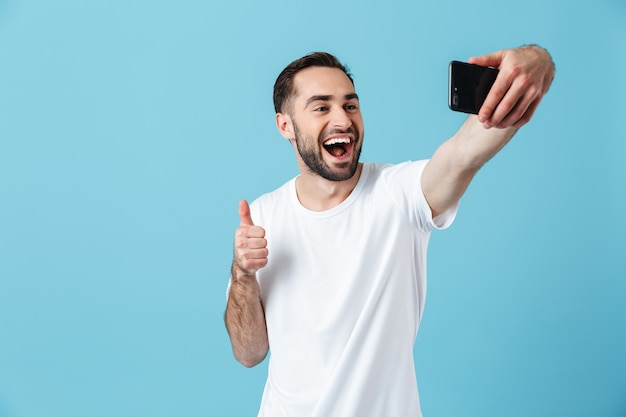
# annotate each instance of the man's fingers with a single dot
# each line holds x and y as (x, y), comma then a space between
(251, 256)
(489, 60)
(499, 88)
(497, 92)
(507, 108)
(251, 265)
(245, 219)
(250, 243)
(517, 105)
(520, 112)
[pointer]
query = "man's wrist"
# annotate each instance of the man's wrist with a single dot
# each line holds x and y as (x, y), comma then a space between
(238, 274)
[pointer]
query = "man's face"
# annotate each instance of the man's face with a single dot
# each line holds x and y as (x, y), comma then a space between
(327, 122)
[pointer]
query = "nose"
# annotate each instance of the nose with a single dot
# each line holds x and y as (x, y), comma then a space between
(340, 119)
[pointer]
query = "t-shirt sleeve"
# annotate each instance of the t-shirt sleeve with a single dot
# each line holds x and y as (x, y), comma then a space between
(404, 182)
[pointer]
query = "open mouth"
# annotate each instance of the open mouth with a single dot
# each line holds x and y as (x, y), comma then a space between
(338, 147)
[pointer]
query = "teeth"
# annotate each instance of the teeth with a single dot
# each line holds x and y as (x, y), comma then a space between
(335, 141)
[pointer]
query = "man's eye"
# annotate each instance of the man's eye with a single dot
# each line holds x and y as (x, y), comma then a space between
(351, 107)
(321, 108)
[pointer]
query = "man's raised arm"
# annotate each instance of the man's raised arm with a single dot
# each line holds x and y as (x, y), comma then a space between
(525, 76)
(244, 318)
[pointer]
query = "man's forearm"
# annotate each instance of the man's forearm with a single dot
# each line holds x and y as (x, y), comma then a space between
(473, 145)
(245, 319)
(454, 164)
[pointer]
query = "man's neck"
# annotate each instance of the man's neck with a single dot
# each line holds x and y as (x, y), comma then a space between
(319, 194)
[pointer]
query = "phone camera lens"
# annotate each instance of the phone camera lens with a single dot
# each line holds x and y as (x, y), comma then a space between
(455, 100)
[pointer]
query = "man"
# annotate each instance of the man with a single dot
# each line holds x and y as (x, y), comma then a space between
(329, 270)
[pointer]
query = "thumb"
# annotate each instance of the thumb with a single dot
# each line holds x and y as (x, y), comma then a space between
(489, 60)
(244, 214)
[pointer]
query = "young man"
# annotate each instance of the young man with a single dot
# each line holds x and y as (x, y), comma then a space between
(329, 270)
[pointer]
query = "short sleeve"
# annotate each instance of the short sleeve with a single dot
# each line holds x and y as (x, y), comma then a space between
(404, 182)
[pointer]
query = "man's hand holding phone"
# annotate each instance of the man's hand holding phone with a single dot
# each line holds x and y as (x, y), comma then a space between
(525, 75)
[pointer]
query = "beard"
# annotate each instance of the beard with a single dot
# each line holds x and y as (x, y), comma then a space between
(310, 151)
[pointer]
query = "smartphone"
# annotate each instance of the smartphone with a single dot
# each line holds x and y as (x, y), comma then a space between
(469, 85)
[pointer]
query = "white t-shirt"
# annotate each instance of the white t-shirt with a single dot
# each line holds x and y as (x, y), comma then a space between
(343, 293)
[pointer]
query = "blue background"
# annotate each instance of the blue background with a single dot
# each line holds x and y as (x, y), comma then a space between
(130, 129)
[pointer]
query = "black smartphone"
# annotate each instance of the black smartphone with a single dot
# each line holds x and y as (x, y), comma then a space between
(469, 85)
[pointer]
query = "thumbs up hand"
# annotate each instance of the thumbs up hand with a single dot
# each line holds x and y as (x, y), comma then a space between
(250, 243)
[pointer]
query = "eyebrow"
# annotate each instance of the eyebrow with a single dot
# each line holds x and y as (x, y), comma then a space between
(347, 97)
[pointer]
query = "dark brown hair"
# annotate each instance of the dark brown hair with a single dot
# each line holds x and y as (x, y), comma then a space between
(283, 87)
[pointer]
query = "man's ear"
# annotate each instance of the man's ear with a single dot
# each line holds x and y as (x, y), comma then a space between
(285, 125)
